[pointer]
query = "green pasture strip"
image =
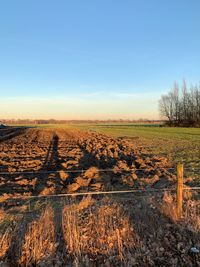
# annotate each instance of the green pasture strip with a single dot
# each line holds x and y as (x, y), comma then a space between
(147, 131)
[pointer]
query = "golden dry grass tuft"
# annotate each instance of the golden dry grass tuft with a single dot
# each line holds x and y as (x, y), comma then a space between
(168, 206)
(102, 230)
(39, 241)
(5, 241)
(191, 213)
(7, 229)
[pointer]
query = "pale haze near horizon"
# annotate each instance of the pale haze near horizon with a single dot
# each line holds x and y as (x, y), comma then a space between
(101, 106)
(94, 59)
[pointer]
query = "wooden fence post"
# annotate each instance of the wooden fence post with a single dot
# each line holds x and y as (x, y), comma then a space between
(179, 192)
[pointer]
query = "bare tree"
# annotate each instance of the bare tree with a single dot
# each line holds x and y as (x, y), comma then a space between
(181, 107)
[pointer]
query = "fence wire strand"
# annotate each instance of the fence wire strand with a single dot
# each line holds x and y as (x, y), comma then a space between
(158, 190)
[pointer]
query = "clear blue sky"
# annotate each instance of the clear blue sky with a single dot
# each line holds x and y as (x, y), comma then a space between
(87, 59)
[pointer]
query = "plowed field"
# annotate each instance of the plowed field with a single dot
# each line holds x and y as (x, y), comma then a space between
(42, 162)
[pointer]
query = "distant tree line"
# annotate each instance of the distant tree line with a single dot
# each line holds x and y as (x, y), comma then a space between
(53, 121)
(181, 106)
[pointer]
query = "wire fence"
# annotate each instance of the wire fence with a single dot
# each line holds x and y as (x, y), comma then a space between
(176, 188)
(112, 170)
(144, 191)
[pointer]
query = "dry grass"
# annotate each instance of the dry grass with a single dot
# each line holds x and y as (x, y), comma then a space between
(39, 241)
(85, 203)
(102, 230)
(191, 210)
(168, 206)
(2, 214)
(192, 215)
(7, 229)
(5, 241)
